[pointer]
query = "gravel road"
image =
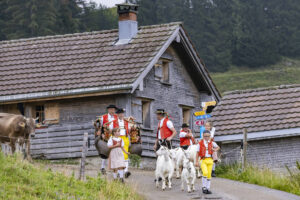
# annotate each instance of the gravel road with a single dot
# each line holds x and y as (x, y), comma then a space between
(222, 189)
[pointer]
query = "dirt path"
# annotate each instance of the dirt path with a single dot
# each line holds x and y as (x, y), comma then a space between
(222, 188)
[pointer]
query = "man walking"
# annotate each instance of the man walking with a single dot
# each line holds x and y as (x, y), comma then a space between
(106, 123)
(165, 130)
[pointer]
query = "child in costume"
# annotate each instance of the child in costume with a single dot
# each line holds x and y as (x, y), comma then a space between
(116, 157)
(206, 147)
(209, 126)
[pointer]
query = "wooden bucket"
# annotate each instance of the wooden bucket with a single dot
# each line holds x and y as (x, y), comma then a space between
(136, 149)
(102, 148)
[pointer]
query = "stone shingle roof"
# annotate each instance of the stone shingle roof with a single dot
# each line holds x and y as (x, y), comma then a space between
(258, 110)
(73, 61)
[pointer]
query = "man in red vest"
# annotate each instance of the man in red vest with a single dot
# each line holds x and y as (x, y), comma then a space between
(186, 136)
(107, 120)
(165, 130)
(206, 147)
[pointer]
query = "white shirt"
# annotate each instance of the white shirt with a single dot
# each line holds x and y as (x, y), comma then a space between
(212, 132)
(183, 134)
(207, 155)
(110, 119)
(110, 141)
(122, 127)
(169, 125)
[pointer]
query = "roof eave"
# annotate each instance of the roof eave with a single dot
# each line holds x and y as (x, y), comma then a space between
(66, 93)
(262, 135)
(196, 58)
(141, 76)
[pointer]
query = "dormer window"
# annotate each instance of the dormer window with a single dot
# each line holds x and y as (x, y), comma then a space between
(162, 70)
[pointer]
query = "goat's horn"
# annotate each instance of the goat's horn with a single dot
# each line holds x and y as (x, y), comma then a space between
(22, 124)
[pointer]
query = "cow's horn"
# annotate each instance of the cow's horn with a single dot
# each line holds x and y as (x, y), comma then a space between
(22, 124)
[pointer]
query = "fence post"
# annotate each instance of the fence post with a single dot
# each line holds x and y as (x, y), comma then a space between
(244, 159)
(83, 156)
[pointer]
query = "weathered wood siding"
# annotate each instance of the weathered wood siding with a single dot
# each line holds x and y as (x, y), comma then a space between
(181, 91)
(272, 153)
(64, 140)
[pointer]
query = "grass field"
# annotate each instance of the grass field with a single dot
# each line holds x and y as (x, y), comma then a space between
(22, 180)
(262, 176)
(283, 73)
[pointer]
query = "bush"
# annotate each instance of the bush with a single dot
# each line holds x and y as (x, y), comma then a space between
(261, 176)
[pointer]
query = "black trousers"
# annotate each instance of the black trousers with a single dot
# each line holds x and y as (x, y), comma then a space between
(165, 143)
(185, 147)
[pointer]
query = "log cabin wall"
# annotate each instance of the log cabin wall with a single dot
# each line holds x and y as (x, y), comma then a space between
(63, 137)
(176, 96)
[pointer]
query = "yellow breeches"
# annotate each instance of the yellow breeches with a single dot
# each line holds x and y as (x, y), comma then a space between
(126, 145)
(206, 167)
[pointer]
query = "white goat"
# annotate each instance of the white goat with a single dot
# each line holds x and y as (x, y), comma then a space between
(192, 152)
(164, 167)
(188, 175)
(179, 161)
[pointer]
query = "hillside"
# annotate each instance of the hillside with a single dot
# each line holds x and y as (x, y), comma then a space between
(285, 72)
(21, 180)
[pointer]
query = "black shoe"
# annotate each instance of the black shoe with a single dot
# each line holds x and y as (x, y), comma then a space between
(204, 190)
(127, 174)
(213, 174)
(208, 192)
(103, 171)
(159, 179)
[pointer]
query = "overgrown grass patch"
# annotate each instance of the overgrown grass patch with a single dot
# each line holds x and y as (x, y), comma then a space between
(240, 78)
(261, 176)
(22, 180)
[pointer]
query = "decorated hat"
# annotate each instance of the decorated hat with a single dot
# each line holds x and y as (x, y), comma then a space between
(160, 111)
(112, 106)
(120, 110)
(185, 125)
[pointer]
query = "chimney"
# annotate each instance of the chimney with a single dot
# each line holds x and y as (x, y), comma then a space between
(128, 26)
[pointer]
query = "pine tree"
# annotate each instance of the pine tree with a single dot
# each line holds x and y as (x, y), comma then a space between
(3, 19)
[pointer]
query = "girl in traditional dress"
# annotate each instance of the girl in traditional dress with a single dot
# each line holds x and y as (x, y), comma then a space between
(116, 157)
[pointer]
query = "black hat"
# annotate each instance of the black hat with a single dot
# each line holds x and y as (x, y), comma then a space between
(160, 111)
(185, 125)
(120, 110)
(112, 106)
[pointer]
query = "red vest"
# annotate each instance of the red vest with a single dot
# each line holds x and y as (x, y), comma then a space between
(105, 119)
(116, 125)
(202, 151)
(165, 132)
(184, 141)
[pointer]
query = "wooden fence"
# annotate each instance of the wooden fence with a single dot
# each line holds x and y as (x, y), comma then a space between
(61, 142)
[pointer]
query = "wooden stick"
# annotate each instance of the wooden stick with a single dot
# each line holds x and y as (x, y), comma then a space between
(83, 156)
(244, 161)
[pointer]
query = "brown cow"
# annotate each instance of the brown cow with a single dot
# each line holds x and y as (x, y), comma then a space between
(14, 127)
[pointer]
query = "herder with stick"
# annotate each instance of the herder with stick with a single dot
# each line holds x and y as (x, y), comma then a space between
(165, 130)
